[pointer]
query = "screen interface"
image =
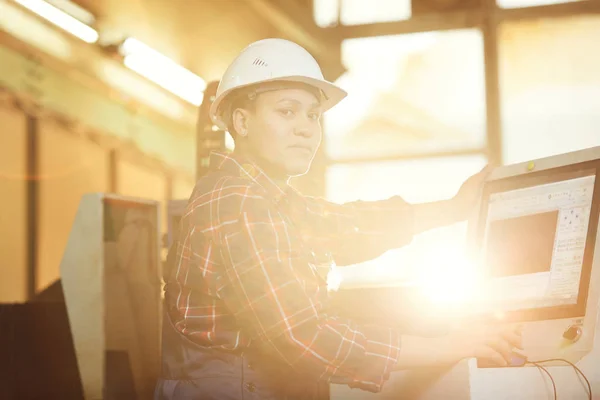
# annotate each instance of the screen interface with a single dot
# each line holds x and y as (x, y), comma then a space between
(534, 242)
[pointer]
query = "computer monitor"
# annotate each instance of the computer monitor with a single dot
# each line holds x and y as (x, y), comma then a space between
(536, 243)
(537, 236)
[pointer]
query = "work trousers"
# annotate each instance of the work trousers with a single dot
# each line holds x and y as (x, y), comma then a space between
(191, 372)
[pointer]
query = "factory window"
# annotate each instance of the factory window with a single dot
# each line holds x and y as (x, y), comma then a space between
(417, 181)
(413, 93)
(354, 12)
(529, 3)
(550, 86)
(433, 255)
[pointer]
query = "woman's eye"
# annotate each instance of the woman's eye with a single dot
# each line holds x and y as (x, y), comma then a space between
(314, 116)
(286, 113)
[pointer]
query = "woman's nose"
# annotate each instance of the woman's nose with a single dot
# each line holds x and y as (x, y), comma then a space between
(305, 127)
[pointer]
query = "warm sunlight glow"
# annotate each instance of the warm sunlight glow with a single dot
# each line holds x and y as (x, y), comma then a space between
(334, 279)
(450, 279)
(411, 93)
(434, 260)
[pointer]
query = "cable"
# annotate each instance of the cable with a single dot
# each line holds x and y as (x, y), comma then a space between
(549, 375)
(577, 370)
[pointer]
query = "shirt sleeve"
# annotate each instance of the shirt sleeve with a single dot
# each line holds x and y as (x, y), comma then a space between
(359, 231)
(277, 300)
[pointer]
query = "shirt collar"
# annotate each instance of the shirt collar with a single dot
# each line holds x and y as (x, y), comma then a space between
(237, 165)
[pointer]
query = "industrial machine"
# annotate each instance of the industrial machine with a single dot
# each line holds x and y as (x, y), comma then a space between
(536, 238)
(535, 243)
(110, 275)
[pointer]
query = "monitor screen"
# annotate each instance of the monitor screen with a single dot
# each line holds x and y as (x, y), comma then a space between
(537, 237)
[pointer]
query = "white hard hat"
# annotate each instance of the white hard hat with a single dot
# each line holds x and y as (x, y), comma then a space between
(273, 60)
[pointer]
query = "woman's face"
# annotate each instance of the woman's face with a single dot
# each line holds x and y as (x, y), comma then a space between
(284, 130)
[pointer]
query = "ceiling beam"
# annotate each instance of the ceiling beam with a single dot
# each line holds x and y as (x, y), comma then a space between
(404, 156)
(463, 19)
(295, 22)
(416, 24)
(550, 11)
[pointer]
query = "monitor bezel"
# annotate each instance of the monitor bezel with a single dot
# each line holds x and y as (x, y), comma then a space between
(536, 178)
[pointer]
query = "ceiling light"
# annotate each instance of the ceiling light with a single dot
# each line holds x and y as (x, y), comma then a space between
(60, 19)
(28, 28)
(163, 71)
(74, 10)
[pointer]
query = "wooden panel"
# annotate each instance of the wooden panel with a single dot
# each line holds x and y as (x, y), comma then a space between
(13, 225)
(139, 181)
(106, 103)
(428, 7)
(69, 167)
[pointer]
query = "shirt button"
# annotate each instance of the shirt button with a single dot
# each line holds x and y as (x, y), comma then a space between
(355, 229)
(250, 387)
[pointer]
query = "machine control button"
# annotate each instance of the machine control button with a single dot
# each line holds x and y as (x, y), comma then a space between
(573, 333)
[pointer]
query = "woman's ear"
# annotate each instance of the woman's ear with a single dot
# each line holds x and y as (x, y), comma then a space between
(240, 119)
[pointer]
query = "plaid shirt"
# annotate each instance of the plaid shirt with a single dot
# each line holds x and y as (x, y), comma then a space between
(251, 265)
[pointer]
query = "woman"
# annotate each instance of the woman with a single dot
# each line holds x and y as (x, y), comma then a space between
(246, 312)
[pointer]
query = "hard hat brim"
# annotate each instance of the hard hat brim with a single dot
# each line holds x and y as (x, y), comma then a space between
(332, 94)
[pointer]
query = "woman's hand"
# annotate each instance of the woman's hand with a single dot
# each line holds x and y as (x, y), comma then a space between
(446, 212)
(493, 344)
(469, 193)
(490, 343)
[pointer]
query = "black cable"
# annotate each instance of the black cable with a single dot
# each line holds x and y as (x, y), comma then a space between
(577, 370)
(549, 376)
